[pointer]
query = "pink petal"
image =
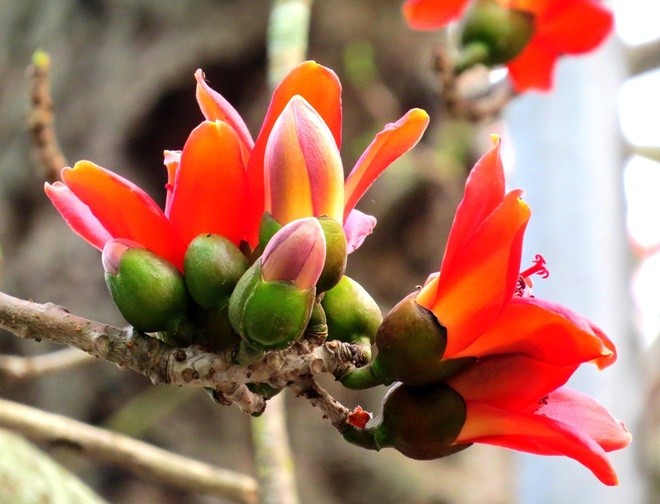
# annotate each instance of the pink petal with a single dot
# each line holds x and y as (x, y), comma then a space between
(357, 227)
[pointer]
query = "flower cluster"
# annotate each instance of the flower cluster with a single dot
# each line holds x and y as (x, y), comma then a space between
(527, 36)
(250, 253)
(198, 265)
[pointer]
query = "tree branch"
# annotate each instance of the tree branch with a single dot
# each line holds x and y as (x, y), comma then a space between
(23, 368)
(140, 458)
(162, 363)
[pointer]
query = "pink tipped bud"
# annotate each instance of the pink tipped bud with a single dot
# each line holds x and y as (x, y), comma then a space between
(295, 253)
(302, 168)
(112, 252)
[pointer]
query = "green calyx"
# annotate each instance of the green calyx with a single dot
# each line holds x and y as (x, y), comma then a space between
(269, 315)
(493, 34)
(352, 314)
(335, 254)
(421, 422)
(149, 292)
(411, 343)
(212, 267)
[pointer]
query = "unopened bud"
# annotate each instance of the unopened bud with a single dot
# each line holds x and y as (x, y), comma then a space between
(352, 314)
(498, 30)
(335, 254)
(212, 267)
(149, 292)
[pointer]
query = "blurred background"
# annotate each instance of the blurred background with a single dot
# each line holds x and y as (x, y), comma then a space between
(586, 154)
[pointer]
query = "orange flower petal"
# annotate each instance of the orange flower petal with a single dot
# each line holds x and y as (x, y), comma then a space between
(432, 14)
(321, 88)
(77, 215)
(210, 192)
(545, 331)
(510, 381)
(535, 434)
(215, 108)
(471, 294)
(395, 139)
(124, 209)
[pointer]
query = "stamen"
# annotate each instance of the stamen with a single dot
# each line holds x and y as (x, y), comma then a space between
(525, 284)
(538, 268)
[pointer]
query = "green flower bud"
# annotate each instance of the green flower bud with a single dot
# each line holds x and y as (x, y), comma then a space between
(212, 266)
(335, 254)
(494, 34)
(269, 226)
(272, 302)
(213, 330)
(421, 422)
(149, 291)
(352, 314)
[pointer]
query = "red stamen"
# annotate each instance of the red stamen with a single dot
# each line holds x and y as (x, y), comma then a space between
(538, 268)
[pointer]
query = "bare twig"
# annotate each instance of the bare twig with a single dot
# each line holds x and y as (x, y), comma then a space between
(41, 118)
(318, 397)
(141, 458)
(470, 95)
(275, 468)
(24, 368)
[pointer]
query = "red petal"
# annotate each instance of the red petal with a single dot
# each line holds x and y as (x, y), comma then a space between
(587, 416)
(432, 14)
(533, 68)
(395, 139)
(484, 192)
(77, 215)
(473, 290)
(534, 434)
(545, 331)
(573, 27)
(511, 381)
(211, 193)
(215, 108)
(321, 88)
(124, 209)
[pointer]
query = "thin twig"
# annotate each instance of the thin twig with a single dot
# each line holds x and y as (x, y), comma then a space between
(275, 468)
(470, 95)
(23, 368)
(318, 397)
(41, 118)
(140, 458)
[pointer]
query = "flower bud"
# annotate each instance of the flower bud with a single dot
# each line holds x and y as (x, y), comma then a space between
(351, 313)
(303, 173)
(272, 302)
(149, 291)
(296, 253)
(335, 254)
(497, 32)
(421, 422)
(212, 266)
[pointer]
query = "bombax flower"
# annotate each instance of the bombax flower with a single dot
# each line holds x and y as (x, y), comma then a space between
(512, 401)
(526, 35)
(479, 303)
(216, 183)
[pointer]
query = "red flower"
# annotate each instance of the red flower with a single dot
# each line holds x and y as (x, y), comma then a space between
(517, 402)
(216, 183)
(483, 301)
(559, 27)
